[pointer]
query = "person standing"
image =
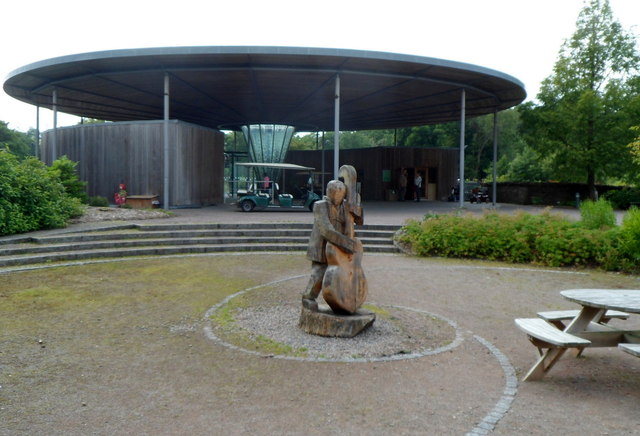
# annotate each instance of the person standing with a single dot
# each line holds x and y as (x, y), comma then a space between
(402, 184)
(418, 185)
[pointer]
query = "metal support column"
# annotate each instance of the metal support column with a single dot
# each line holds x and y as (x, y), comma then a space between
(54, 107)
(38, 152)
(495, 157)
(336, 131)
(322, 182)
(463, 109)
(167, 156)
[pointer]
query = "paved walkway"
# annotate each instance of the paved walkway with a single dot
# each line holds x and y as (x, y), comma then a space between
(375, 212)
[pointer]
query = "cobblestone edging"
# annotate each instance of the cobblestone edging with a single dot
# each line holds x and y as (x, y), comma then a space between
(503, 405)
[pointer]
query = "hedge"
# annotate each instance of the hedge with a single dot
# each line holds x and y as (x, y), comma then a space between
(546, 239)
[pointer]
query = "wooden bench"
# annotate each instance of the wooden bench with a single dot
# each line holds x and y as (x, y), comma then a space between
(142, 201)
(544, 335)
(555, 341)
(633, 349)
(556, 317)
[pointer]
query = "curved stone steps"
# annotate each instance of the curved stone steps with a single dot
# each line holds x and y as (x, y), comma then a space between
(112, 241)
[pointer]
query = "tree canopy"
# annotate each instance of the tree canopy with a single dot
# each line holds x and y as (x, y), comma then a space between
(18, 143)
(588, 104)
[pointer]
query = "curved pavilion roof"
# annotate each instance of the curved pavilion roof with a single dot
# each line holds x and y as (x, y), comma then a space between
(224, 87)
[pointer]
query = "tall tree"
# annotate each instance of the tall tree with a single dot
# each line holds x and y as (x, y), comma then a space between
(18, 143)
(580, 120)
(479, 140)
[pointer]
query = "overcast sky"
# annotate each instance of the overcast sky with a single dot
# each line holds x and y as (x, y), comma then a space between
(517, 37)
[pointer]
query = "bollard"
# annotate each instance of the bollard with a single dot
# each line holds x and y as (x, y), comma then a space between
(577, 200)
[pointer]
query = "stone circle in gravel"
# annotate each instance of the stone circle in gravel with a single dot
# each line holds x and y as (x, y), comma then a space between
(264, 321)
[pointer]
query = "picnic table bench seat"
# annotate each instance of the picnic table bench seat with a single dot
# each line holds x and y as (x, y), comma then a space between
(633, 349)
(545, 335)
(556, 317)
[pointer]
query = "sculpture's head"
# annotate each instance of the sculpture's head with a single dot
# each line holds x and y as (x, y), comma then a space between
(336, 191)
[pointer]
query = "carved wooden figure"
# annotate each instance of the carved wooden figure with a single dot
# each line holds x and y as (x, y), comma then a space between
(344, 286)
(336, 264)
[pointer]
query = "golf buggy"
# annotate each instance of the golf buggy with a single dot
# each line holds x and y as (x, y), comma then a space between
(265, 194)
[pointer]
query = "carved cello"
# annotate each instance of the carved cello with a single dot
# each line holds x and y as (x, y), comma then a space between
(344, 286)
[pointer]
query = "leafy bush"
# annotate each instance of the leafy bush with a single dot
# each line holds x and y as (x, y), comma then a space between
(98, 201)
(31, 198)
(568, 245)
(624, 198)
(545, 239)
(65, 170)
(597, 214)
(12, 219)
(630, 236)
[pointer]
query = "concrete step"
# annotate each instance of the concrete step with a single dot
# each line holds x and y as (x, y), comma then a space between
(79, 255)
(213, 226)
(192, 234)
(27, 249)
(33, 242)
(195, 231)
(166, 239)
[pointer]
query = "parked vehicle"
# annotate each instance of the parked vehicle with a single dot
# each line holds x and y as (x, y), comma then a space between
(479, 194)
(474, 192)
(257, 196)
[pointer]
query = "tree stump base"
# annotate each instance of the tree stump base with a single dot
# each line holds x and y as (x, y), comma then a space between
(322, 321)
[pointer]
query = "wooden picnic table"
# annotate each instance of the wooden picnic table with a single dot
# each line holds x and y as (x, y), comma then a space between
(626, 300)
(586, 329)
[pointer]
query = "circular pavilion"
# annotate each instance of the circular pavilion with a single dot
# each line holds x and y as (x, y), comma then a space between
(235, 88)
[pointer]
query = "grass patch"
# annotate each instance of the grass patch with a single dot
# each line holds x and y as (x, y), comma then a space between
(379, 311)
(226, 326)
(161, 290)
(273, 347)
(224, 316)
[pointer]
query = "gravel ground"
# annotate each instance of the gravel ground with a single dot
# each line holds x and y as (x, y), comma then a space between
(397, 333)
(98, 214)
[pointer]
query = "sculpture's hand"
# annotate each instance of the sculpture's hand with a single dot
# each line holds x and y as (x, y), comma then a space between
(349, 245)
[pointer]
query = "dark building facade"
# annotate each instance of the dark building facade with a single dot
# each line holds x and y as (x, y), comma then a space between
(132, 153)
(379, 169)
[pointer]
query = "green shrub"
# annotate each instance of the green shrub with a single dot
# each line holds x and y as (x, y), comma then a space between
(630, 238)
(597, 214)
(98, 201)
(65, 170)
(545, 239)
(12, 219)
(623, 198)
(610, 256)
(31, 198)
(492, 237)
(568, 245)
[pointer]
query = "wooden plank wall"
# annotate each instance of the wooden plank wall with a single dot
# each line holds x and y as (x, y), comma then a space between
(370, 163)
(132, 153)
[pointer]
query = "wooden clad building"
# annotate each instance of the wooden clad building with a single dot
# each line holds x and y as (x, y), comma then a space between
(132, 153)
(379, 169)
